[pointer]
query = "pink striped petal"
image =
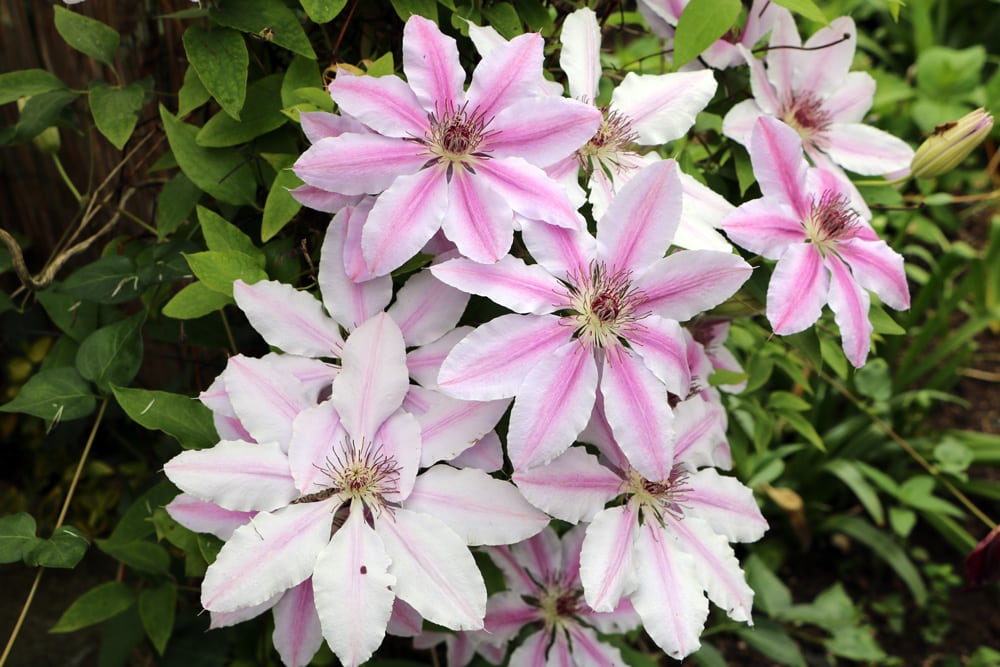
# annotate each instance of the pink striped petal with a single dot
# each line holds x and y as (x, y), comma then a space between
(561, 251)
(552, 406)
(358, 164)
(739, 122)
(798, 290)
(311, 448)
(517, 578)
(878, 268)
(607, 568)
(765, 96)
(589, 650)
(663, 107)
(702, 212)
(205, 517)
(718, 571)
(268, 555)
(866, 150)
(430, 61)
(701, 435)
(385, 104)
(349, 303)
(543, 130)
(405, 621)
(849, 304)
(231, 618)
(373, 378)
(510, 282)
(486, 454)
(449, 426)
(574, 487)
(506, 74)
(778, 164)
(479, 509)
(353, 589)
(403, 219)
(322, 200)
(689, 282)
(765, 227)
(318, 125)
(598, 433)
(297, 632)
(822, 66)
(642, 219)
(478, 220)
(289, 319)
(435, 572)
(426, 309)
(507, 614)
(265, 399)
(669, 601)
(782, 63)
(660, 343)
(529, 191)
(493, 360)
(236, 475)
(580, 57)
(571, 542)
(635, 403)
(534, 652)
(424, 363)
(853, 98)
(541, 556)
(725, 505)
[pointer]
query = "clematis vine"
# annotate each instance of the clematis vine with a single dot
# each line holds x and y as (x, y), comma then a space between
(812, 91)
(593, 313)
(659, 539)
(827, 251)
(439, 157)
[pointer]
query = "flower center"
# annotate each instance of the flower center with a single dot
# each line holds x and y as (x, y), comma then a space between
(830, 219)
(457, 137)
(665, 497)
(362, 473)
(806, 115)
(558, 604)
(604, 305)
(609, 144)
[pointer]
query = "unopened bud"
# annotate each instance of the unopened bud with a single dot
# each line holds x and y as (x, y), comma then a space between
(47, 141)
(950, 144)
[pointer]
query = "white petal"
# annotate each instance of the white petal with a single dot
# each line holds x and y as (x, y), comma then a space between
(607, 569)
(426, 309)
(580, 55)
(287, 318)
(297, 633)
(574, 487)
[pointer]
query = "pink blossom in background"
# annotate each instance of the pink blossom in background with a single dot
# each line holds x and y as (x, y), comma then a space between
(826, 251)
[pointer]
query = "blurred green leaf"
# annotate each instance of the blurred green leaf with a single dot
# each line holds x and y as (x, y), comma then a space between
(192, 94)
(504, 19)
(63, 550)
(38, 113)
(261, 114)
(17, 537)
(86, 35)
(98, 604)
(223, 236)
(280, 206)
(140, 555)
(323, 11)
(873, 381)
(806, 8)
(848, 473)
(301, 73)
(112, 354)
(771, 595)
(156, 608)
(902, 520)
(183, 418)
(136, 523)
(771, 640)
(700, 24)
(857, 644)
(74, 317)
(220, 58)
(176, 201)
(256, 16)
(195, 300)
(832, 610)
(110, 279)
(27, 83)
(218, 270)
(116, 110)
(944, 73)
(59, 394)
(534, 13)
(407, 8)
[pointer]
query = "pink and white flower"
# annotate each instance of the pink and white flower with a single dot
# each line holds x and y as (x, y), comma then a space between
(826, 251)
(592, 313)
(439, 157)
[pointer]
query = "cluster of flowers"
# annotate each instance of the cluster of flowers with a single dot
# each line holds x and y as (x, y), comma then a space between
(354, 471)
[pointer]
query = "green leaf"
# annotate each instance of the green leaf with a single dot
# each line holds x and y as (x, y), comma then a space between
(27, 83)
(54, 395)
(220, 172)
(140, 555)
(856, 644)
(381, 66)
(136, 523)
(192, 94)
(255, 16)
(323, 11)
(223, 236)
(771, 640)
(503, 17)
(111, 279)
(17, 537)
(183, 418)
(87, 35)
(220, 58)
(217, 270)
(63, 550)
(700, 24)
(74, 317)
(176, 201)
(804, 428)
(534, 13)
(116, 110)
(784, 400)
(902, 520)
(918, 492)
(156, 608)
(873, 380)
(302, 73)
(194, 301)
(831, 610)
(38, 113)
(949, 74)
(280, 206)
(883, 323)
(98, 604)
(884, 547)
(806, 8)
(407, 8)
(261, 114)
(772, 596)
(848, 473)
(112, 354)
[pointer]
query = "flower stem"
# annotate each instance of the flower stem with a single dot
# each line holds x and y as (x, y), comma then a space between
(62, 516)
(66, 178)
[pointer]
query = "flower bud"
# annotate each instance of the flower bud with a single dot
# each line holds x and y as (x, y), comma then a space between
(950, 144)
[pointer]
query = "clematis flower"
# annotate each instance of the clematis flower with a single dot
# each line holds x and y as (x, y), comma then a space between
(663, 542)
(826, 251)
(645, 110)
(812, 91)
(439, 157)
(593, 313)
(662, 16)
(546, 596)
(345, 509)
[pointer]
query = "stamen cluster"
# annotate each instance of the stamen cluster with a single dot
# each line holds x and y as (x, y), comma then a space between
(605, 305)
(831, 218)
